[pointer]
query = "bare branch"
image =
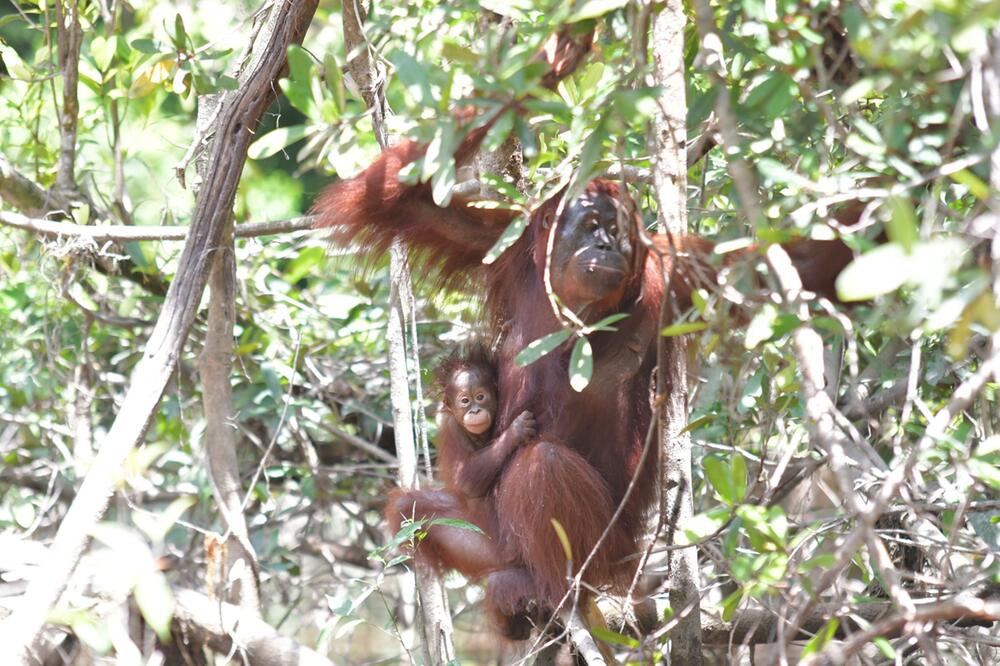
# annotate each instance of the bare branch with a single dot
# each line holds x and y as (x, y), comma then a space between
(110, 232)
(670, 179)
(69, 38)
(227, 629)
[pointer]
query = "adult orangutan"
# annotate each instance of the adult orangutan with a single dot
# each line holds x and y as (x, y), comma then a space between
(590, 443)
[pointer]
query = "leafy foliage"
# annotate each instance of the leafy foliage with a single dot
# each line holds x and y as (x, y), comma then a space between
(835, 103)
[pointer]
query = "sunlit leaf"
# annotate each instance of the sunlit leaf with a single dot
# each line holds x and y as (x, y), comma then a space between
(613, 637)
(456, 523)
(563, 539)
(902, 226)
(581, 364)
(876, 272)
(510, 235)
(824, 636)
(276, 141)
(703, 525)
(156, 602)
(719, 475)
(974, 183)
(683, 328)
(412, 74)
(588, 9)
(542, 346)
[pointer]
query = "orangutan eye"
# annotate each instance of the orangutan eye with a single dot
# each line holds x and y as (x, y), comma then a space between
(480, 397)
(464, 400)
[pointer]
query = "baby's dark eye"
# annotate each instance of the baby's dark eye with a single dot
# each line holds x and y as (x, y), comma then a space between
(481, 397)
(463, 401)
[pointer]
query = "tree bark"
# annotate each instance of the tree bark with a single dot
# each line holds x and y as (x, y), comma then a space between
(229, 630)
(670, 181)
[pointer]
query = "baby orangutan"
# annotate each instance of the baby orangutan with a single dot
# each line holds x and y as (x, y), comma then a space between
(469, 456)
(470, 459)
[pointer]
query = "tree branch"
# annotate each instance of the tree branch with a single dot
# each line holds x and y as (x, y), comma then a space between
(229, 630)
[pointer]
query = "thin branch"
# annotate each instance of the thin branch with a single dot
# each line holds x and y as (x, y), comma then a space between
(227, 629)
(240, 568)
(672, 412)
(25, 195)
(69, 39)
(120, 233)
(908, 624)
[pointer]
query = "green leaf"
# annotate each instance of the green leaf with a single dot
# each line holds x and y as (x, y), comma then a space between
(456, 52)
(879, 271)
(335, 81)
(180, 34)
(406, 533)
(730, 604)
(499, 132)
(156, 602)
(440, 150)
(613, 637)
(589, 156)
(516, 9)
(719, 474)
(703, 525)
(103, 50)
(509, 236)
(888, 267)
(779, 173)
(146, 46)
(683, 328)
(819, 641)
(885, 647)
(986, 472)
(902, 226)
(605, 323)
(413, 76)
(772, 88)
(974, 183)
(529, 142)
(443, 183)
(589, 9)
(563, 538)
(542, 346)
(92, 632)
(298, 86)
(581, 365)
(761, 327)
(738, 472)
(276, 140)
(457, 523)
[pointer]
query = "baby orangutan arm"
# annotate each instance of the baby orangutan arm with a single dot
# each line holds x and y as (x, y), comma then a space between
(477, 471)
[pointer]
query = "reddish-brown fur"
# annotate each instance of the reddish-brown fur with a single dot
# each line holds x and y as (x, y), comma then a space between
(591, 442)
(590, 445)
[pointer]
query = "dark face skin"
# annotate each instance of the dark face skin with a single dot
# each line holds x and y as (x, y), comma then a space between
(591, 259)
(472, 400)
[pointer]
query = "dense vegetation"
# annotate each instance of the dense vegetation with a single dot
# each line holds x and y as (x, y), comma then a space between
(872, 121)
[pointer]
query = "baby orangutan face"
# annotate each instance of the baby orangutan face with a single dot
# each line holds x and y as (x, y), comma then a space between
(471, 399)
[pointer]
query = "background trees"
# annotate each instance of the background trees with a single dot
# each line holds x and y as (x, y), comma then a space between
(880, 109)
